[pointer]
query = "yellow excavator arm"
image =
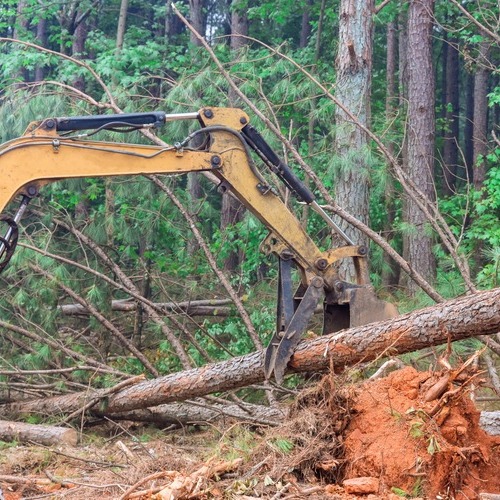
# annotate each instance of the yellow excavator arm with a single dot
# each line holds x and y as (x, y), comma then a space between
(56, 149)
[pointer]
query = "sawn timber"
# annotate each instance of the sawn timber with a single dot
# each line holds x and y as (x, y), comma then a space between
(460, 318)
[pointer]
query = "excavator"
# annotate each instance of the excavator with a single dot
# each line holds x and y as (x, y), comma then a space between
(225, 145)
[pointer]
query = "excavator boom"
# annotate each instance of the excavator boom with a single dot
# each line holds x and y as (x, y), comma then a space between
(56, 149)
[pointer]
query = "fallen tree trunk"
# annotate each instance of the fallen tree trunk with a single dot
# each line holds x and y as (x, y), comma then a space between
(490, 422)
(47, 435)
(468, 316)
(207, 307)
(192, 413)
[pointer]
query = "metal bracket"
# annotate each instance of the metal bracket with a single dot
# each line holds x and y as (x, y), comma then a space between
(283, 343)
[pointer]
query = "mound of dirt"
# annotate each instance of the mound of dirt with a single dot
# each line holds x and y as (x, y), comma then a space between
(419, 448)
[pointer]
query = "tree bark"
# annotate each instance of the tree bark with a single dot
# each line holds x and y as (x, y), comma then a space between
(353, 90)
(20, 28)
(305, 28)
(173, 25)
(122, 23)
(194, 187)
(78, 50)
(417, 242)
(197, 20)
(467, 316)
(201, 412)
(469, 127)
(480, 122)
(47, 435)
(490, 422)
(191, 308)
(390, 271)
(232, 211)
(41, 39)
(451, 139)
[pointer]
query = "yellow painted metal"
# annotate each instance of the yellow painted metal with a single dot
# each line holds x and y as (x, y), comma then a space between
(36, 161)
(233, 118)
(39, 158)
(246, 184)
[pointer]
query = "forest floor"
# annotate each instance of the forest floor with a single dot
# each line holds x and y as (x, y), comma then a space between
(409, 435)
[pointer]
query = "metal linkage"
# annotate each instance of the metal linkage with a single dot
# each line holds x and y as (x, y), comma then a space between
(154, 119)
(8, 242)
(285, 173)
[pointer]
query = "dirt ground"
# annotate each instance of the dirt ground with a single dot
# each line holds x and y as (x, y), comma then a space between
(393, 438)
(408, 435)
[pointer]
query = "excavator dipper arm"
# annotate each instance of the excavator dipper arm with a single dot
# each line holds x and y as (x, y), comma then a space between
(54, 149)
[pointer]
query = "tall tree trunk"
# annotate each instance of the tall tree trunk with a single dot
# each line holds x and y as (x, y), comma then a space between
(390, 273)
(305, 28)
(480, 134)
(173, 25)
(121, 28)
(194, 185)
(480, 122)
(41, 39)
(353, 88)
(421, 122)
(451, 139)
(403, 60)
(196, 19)
(239, 25)
(78, 50)
(469, 127)
(20, 27)
(403, 100)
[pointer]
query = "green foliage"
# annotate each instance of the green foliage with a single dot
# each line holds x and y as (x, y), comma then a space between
(494, 97)
(138, 227)
(475, 216)
(238, 441)
(4, 445)
(282, 445)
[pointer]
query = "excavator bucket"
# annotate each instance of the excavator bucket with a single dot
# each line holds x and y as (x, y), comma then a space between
(345, 306)
(354, 306)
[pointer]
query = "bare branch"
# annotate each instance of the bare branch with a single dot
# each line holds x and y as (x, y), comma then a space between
(173, 340)
(471, 18)
(68, 58)
(59, 346)
(105, 322)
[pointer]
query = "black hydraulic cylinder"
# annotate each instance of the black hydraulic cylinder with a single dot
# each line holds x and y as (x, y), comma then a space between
(281, 169)
(66, 124)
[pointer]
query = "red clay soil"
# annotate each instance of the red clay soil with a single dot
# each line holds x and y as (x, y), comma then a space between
(392, 438)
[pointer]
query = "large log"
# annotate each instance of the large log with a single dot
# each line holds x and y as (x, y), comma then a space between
(47, 435)
(464, 317)
(490, 422)
(202, 412)
(208, 307)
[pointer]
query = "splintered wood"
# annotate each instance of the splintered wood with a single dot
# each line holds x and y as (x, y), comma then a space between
(181, 485)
